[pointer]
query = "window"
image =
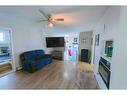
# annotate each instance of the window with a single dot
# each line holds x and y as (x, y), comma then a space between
(1, 37)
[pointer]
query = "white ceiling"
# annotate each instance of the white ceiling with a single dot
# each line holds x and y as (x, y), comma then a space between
(77, 18)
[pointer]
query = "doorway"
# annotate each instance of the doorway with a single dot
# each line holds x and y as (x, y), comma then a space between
(6, 55)
(71, 48)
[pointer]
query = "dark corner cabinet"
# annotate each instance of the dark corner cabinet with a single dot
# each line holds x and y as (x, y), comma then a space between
(57, 55)
(84, 55)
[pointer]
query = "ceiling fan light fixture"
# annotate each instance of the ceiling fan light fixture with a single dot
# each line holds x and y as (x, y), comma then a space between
(50, 19)
(50, 24)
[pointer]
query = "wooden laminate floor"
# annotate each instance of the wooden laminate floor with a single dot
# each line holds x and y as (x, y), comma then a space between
(4, 68)
(57, 75)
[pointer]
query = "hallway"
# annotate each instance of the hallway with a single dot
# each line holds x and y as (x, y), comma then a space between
(71, 53)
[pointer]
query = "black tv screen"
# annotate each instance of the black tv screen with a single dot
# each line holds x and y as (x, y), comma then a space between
(55, 41)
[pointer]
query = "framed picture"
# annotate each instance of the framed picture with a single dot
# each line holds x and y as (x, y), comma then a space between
(75, 40)
(97, 37)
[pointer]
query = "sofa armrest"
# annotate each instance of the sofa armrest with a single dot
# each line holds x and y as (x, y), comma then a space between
(29, 65)
(33, 67)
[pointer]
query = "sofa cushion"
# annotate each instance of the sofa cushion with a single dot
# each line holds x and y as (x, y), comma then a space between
(39, 54)
(29, 55)
(40, 63)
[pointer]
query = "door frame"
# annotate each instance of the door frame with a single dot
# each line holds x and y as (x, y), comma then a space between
(12, 51)
(93, 49)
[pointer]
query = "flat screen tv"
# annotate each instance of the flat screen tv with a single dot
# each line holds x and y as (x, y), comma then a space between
(55, 41)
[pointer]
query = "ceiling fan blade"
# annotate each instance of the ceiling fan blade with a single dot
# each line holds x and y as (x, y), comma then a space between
(41, 20)
(43, 13)
(59, 19)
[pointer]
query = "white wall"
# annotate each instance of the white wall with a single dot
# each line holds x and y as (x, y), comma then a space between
(111, 21)
(25, 35)
(115, 20)
(119, 67)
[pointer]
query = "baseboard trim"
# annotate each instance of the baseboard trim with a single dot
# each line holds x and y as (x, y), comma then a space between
(18, 68)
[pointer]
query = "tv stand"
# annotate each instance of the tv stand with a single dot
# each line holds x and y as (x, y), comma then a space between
(57, 55)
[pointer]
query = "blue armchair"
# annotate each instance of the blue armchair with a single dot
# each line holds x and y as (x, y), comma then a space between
(32, 61)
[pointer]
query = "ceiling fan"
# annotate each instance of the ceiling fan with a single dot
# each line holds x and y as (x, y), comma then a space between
(49, 18)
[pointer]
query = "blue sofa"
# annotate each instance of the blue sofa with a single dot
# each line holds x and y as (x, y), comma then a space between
(32, 61)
